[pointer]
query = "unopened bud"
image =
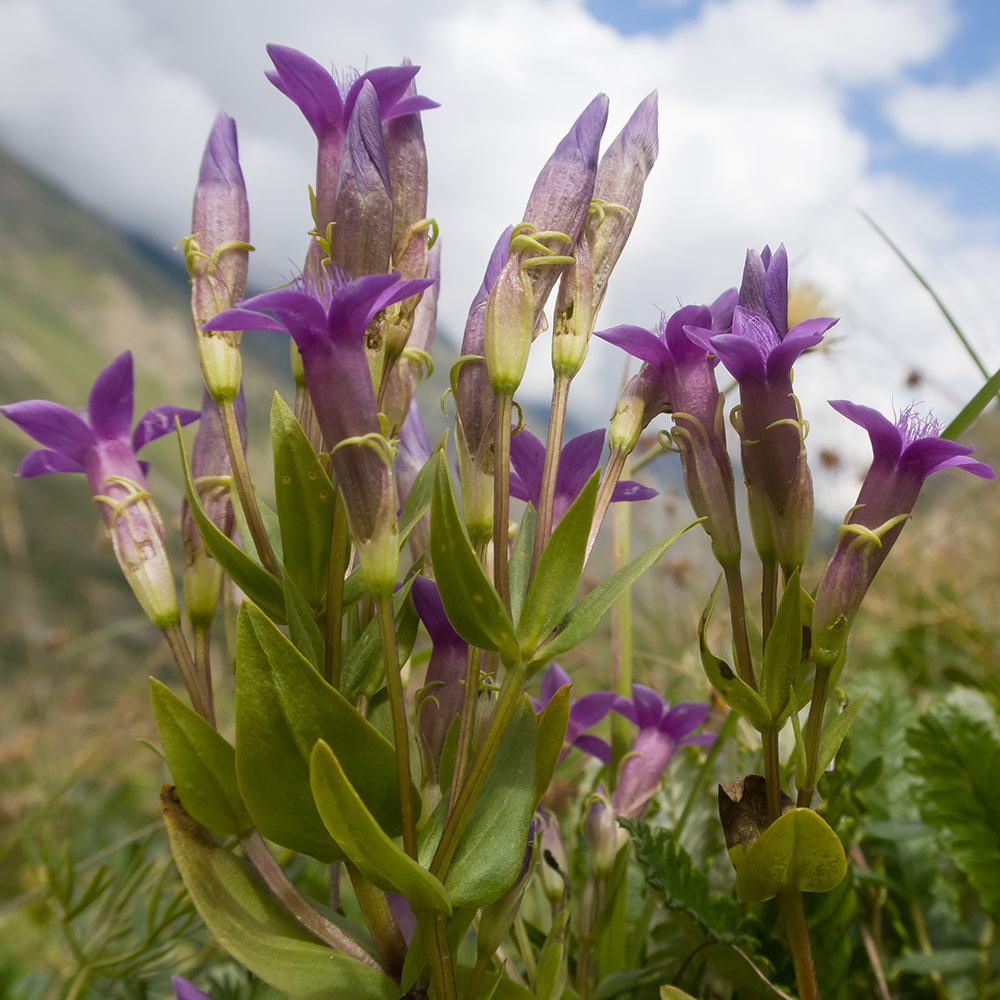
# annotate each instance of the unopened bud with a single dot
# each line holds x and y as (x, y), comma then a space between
(605, 838)
(509, 328)
(574, 315)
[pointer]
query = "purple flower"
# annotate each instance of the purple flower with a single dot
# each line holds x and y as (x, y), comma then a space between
(103, 446)
(904, 454)
(327, 319)
(662, 730)
(688, 373)
(183, 990)
(584, 712)
(578, 460)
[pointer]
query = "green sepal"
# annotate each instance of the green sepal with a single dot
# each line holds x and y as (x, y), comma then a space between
(364, 665)
(798, 852)
(519, 566)
(783, 649)
(418, 500)
(255, 581)
(583, 618)
(302, 627)
(552, 723)
(249, 922)
(202, 765)
(491, 849)
(733, 690)
(557, 577)
(470, 600)
(283, 706)
(303, 496)
(362, 839)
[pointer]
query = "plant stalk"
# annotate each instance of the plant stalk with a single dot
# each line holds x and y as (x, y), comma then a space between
(794, 917)
(550, 471)
(501, 494)
(333, 649)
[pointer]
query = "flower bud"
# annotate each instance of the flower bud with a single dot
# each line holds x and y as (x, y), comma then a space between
(574, 314)
(605, 838)
(554, 862)
(642, 399)
(509, 328)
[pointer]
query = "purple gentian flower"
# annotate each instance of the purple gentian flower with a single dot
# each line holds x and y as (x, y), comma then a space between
(183, 990)
(688, 374)
(662, 730)
(578, 460)
(327, 319)
(584, 712)
(103, 446)
(904, 454)
(759, 353)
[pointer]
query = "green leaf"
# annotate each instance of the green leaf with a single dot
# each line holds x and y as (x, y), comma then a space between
(257, 930)
(669, 870)
(418, 500)
(255, 581)
(783, 650)
(519, 567)
(557, 576)
(947, 962)
(363, 840)
(552, 723)
(202, 765)
(956, 763)
(836, 733)
(673, 993)
(302, 627)
(973, 408)
(491, 849)
(366, 654)
(470, 600)
(583, 618)
(495, 986)
(283, 706)
(733, 690)
(303, 495)
(797, 852)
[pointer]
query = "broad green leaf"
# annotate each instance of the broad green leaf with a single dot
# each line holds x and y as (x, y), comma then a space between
(797, 852)
(733, 690)
(283, 706)
(418, 501)
(202, 765)
(363, 840)
(519, 567)
(302, 627)
(366, 654)
(249, 922)
(303, 495)
(956, 761)
(835, 733)
(552, 723)
(583, 618)
(783, 650)
(669, 870)
(255, 581)
(491, 849)
(557, 576)
(470, 600)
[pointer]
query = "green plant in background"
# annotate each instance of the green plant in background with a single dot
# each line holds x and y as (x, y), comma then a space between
(371, 832)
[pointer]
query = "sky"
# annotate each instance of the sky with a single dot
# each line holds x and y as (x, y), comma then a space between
(780, 121)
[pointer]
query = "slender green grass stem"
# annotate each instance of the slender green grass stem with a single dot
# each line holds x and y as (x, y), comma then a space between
(397, 707)
(334, 646)
(200, 700)
(244, 488)
(501, 494)
(550, 471)
(814, 730)
(794, 917)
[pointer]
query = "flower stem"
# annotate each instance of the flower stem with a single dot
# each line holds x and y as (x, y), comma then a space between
(794, 917)
(550, 471)
(768, 595)
(244, 487)
(394, 686)
(335, 592)
(382, 924)
(609, 480)
(470, 698)
(772, 773)
(501, 494)
(814, 729)
(434, 931)
(203, 663)
(200, 700)
(738, 617)
(621, 636)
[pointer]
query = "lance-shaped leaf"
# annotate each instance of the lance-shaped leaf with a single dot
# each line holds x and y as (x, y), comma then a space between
(363, 840)
(470, 600)
(733, 690)
(255, 581)
(519, 566)
(202, 764)
(302, 627)
(250, 923)
(553, 721)
(283, 706)
(583, 618)
(836, 733)
(418, 501)
(783, 651)
(491, 849)
(797, 852)
(303, 495)
(557, 576)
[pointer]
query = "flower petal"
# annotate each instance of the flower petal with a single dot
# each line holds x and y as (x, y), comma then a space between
(595, 746)
(629, 490)
(109, 407)
(555, 678)
(577, 462)
(160, 420)
(590, 709)
(57, 427)
(40, 461)
(682, 718)
(649, 706)
(640, 343)
(527, 459)
(887, 442)
(309, 85)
